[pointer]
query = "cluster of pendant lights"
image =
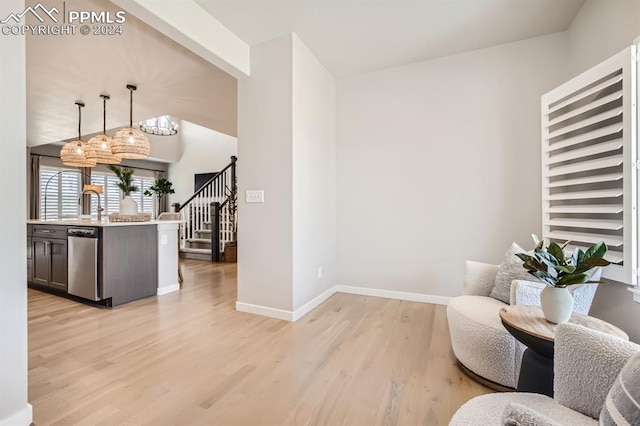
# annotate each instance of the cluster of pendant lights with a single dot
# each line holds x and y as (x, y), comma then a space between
(129, 143)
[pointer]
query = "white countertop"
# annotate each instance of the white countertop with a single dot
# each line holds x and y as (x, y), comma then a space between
(93, 222)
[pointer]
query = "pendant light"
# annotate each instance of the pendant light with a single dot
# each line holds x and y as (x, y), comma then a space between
(101, 144)
(77, 153)
(131, 143)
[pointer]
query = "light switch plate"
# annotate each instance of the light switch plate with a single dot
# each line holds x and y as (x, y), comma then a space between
(255, 196)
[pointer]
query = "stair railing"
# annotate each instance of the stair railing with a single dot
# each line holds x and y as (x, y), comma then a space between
(199, 210)
(222, 220)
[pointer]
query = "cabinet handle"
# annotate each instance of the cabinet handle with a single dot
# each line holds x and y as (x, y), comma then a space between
(47, 248)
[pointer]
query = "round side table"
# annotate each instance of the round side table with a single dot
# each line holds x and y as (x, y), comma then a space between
(529, 326)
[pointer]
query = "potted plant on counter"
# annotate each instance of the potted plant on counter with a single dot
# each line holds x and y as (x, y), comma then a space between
(128, 205)
(558, 271)
(160, 188)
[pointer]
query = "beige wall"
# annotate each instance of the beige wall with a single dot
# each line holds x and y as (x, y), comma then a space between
(600, 30)
(286, 144)
(202, 150)
(314, 176)
(439, 162)
(265, 237)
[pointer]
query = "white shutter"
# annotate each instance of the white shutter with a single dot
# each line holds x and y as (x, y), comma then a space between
(62, 193)
(148, 202)
(48, 200)
(589, 157)
(114, 194)
(70, 194)
(111, 194)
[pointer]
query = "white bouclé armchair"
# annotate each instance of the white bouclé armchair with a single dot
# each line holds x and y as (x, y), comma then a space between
(480, 342)
(587, 364)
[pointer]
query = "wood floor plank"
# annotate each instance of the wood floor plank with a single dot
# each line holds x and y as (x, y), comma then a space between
(188, 358)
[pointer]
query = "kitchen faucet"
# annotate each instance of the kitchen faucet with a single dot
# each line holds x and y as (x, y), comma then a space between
(99, 209)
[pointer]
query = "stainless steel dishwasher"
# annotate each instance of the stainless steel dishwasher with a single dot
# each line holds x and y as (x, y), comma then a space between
(83, 262)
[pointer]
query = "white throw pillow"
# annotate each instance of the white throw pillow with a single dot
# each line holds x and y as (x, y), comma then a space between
(510, 269)
(622, 406)
(520, 415)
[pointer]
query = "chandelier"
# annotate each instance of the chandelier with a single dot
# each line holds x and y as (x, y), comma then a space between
(160, 126)
(78, 153)
(101, 145)
(129, 142)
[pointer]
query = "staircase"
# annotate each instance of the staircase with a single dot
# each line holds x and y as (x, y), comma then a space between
(209, 217)
(199, 247)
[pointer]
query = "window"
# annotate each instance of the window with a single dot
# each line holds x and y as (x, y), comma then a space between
(59, 192)
(111, 194)
(146, 204)
(589, 163)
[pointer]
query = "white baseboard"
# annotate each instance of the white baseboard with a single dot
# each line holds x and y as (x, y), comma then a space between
(22, 418)
(264, 311)
(317, 301)
(165, 289)
(390, 294)
(306, 308)
(283, 314)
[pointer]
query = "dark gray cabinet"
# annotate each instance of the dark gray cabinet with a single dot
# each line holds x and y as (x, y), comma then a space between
(127, 261)
(49, 258)
(29, 253)
(40, 268)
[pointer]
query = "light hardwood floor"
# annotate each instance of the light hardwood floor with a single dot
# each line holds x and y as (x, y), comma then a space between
(189, 358)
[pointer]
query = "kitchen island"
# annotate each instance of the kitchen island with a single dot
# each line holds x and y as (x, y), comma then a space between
(109, 263)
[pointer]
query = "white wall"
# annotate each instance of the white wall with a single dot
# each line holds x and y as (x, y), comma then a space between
(265, 160)
(314, 176)
(202, 150)
(164, 148)
(438, 162)
(14, 409)
(286, 137)
(600, 30)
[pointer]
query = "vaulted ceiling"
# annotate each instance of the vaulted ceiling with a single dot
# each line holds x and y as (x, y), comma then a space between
(171, 80)
(348, 36)
(356, 36)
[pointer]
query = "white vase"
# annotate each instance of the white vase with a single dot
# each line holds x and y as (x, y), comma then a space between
(556, 304)
(128, 206)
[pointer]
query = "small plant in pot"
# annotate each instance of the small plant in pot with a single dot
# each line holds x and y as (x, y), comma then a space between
(160, 188)
(128, 205)
(558, 271)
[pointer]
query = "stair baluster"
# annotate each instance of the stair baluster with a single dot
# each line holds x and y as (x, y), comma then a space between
(206, 216)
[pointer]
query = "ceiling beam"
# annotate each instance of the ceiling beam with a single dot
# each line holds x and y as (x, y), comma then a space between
(194, 28)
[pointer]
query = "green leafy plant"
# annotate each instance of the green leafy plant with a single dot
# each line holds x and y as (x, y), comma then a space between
(553, 268)
(125, 175)
(160, 188)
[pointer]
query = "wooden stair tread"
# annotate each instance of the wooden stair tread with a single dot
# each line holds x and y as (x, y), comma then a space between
(199, 240)
(195, 250)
